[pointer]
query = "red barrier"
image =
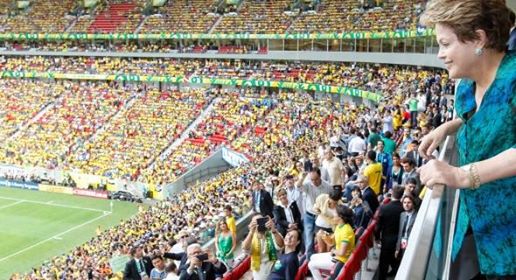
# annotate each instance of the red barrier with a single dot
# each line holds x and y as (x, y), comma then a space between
(91, 193)
(239, 271)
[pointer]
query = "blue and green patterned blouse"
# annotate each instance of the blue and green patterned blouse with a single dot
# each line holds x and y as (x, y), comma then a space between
(491, 209)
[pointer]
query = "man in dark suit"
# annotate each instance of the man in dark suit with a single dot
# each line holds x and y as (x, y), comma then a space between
(262, 200)
(200, 266)
(387, 232)
(407, 219)
(413, 154)
(368, 195)
(286, 214)
(139, 266)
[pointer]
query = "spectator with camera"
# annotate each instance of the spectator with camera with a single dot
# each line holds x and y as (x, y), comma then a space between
(263, 243)
(201, 265)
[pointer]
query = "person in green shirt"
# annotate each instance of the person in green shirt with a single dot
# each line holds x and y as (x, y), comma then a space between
(389, 144)
(412, 103)
(373, 138)
(225, 243)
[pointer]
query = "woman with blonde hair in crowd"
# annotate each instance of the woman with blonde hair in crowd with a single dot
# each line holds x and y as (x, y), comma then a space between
(225, 243)
(472, 37)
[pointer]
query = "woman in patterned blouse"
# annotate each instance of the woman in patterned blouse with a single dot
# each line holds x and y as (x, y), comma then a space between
(472, 37)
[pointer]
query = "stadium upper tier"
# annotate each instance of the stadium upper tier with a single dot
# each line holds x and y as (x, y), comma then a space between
(197, 16)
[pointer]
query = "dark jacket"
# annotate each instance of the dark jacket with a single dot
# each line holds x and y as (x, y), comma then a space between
(369, 196)
(388, 224)
(266, 204)
(181, 257)
(280, 218)
(131, 269)
(210, 271)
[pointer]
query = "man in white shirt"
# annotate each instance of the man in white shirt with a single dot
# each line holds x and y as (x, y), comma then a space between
(335, 168)
(294, 194)
(357, 145)
(312, 186)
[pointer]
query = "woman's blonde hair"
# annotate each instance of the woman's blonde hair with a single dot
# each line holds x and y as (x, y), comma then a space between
(465, 17)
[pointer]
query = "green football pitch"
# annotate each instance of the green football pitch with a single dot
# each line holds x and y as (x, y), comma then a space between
(36, 226)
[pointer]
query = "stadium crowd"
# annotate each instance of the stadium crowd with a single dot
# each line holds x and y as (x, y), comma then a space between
(386, 79)
(90, 155)
(196, 16)
(292, 135)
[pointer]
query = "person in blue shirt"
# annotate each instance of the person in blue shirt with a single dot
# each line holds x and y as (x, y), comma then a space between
(287, 265)
(472, 37)
(386, 160)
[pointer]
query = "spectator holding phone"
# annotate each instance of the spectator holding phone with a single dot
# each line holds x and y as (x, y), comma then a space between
(263, 243)
(201, 266)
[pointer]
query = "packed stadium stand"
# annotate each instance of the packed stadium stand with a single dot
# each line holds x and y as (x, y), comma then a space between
(182, 16)
(42, 16)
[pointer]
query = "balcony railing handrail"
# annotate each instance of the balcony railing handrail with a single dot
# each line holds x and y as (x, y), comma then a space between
(415, 260)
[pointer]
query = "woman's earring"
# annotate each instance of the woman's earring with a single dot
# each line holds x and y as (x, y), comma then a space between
(479, 51)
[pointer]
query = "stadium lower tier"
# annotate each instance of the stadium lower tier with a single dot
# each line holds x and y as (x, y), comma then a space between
(119, 130)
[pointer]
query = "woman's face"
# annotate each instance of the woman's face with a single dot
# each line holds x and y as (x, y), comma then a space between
(458, 57)
(283, 197)
(291, 238)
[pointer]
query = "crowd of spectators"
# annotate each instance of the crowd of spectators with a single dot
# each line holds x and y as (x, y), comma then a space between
(222, 127)
(77, 112)
(389, 80)
(349, 15)
(257, 17)
(39, 17)
(23, 99)
(182, 16)
(112, 16)
(196, 16)
(298, 135)
(137, 135)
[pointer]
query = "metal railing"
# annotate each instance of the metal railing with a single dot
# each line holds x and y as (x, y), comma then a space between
(428, 255)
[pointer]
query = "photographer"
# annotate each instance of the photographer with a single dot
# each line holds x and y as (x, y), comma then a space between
(262, 242)
(201, 266)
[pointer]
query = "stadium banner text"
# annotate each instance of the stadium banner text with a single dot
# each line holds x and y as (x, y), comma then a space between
(90, 193)
(216, 36)
(55, 189)
(19, 184)
(374, 96)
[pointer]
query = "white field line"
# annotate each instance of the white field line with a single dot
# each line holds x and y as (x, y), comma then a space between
(57, 236)
(51, 203)
(12, 204)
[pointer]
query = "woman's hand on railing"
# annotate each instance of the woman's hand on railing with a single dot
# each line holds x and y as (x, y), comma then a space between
(439, 172)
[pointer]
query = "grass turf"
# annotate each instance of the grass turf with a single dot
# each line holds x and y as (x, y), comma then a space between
(36, 226)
